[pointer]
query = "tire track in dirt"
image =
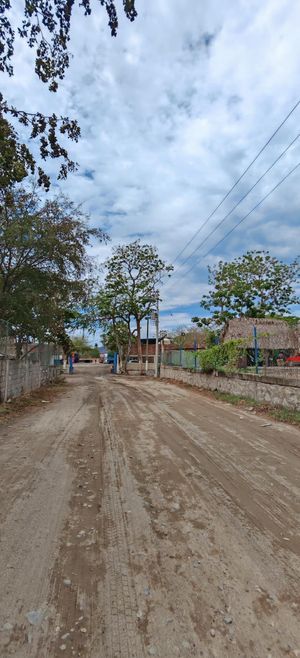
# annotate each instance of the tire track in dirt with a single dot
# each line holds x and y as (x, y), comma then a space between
(212, 527)
(235, 477)
(120, 599)
(142, 528)
(35, 509)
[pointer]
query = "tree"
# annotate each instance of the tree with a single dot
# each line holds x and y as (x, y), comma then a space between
(83, 347)
(15, 159)
(133, 275)
(209, 328)
(46, 27)
(117, 337)
(179, 336)
(45, 272)
(192, 337)
(114, 316)
(254, 285)
(204, 323)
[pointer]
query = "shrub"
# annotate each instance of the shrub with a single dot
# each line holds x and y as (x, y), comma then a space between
(223, 357)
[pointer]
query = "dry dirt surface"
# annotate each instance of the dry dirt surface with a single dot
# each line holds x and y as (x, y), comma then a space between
(139, 518)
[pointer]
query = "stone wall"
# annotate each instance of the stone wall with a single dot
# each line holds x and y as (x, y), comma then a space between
(272, 390)
(19, 377)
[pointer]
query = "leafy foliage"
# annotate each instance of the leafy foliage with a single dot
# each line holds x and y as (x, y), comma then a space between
(45, 128)
(15, 158)
(180, 337)
(221, 357)
(46, 27)
(204, 323)
(117, 337)
(187, 337)
(291, 320)
(131, 289)
(83, 347)
(254, 285)
(113, 314)
(130, 292)
(210, 328)
(45, 272)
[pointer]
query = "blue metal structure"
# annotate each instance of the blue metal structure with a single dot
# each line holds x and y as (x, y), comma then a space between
(115, 366)
(71, 369)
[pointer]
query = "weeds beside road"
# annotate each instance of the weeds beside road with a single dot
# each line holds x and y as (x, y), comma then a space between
(283, 415)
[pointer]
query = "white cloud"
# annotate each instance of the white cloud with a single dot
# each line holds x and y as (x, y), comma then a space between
(171, 112)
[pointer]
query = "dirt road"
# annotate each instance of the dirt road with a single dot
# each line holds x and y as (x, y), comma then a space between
(139, 518)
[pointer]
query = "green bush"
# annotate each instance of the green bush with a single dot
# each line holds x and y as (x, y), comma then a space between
(224, 357)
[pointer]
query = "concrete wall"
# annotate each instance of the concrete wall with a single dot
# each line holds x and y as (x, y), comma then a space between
(135, 368)
(273, 390)
(289, 373)
(18, 377)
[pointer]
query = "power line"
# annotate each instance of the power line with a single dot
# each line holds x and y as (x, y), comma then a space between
(238, 180)
(247, 215)
(242, 199)
(238, 203)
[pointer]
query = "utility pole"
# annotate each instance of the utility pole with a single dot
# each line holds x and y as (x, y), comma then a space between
(147, 344)
(156, 337)
(195, 349)
(255, 349)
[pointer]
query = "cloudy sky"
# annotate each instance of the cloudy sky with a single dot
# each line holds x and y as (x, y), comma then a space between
(172, 111)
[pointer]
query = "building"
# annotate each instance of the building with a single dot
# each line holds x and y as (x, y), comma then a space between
(167, 344)
(273, 336)
(133, 354)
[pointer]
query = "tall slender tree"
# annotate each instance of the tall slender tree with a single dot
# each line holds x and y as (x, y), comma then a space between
(133, 277)
(115, 319)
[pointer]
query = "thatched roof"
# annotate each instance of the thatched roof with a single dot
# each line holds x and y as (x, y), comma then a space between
(272, 334)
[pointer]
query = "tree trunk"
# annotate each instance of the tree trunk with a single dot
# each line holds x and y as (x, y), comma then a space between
(128, 348)
(121, 358)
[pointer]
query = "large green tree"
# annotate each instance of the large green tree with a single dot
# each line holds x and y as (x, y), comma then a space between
(253, 285)
(133, 277)
(46, 275)
(114, 316)
(46, 27)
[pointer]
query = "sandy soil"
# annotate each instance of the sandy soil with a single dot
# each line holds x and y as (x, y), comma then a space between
(140, 518)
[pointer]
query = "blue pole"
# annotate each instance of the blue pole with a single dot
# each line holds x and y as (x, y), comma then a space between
(115, 363)
(71, 369)
(255, 349)
(195, 350)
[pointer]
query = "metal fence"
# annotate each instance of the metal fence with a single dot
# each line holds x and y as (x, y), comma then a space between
(189, 359)
(181, 358)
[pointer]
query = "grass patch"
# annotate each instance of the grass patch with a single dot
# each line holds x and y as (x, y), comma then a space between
(278, 413)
